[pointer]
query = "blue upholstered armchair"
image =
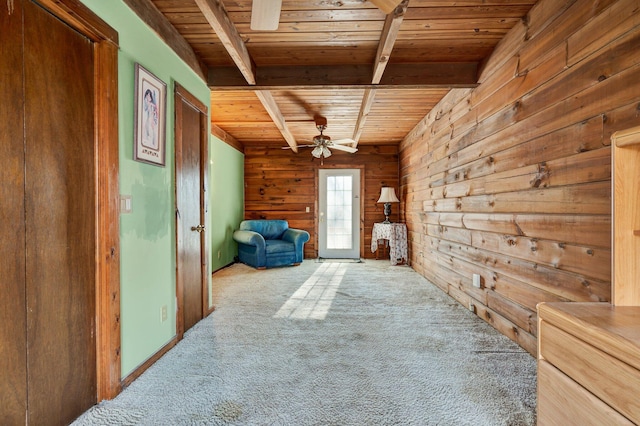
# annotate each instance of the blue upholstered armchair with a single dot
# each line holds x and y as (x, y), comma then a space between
(270, 243)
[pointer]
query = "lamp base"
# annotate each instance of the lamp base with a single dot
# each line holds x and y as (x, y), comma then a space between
(387, 212)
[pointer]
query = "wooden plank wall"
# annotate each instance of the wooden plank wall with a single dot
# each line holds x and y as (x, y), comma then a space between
(511, 180)
(280, 184)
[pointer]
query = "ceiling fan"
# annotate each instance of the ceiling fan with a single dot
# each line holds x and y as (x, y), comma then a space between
(265, 14)
(322, 143)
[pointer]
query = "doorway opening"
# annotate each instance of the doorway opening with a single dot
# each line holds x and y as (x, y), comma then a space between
(339, 213)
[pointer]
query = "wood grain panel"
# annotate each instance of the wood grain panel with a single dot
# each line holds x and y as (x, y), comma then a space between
(13, 317)
(280, 185)
(598, 372)
(512, 179)
(60, 212)
(562, 401)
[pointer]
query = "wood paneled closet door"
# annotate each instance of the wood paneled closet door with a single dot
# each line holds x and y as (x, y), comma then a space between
(191, 171)
(50, 220)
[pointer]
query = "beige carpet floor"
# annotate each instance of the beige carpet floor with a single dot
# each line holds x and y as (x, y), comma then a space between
(329, 343)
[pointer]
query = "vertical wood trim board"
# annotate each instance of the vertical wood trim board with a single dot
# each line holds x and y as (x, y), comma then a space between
(626, 234)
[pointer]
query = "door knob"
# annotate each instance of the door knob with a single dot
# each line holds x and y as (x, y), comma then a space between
(198, 228)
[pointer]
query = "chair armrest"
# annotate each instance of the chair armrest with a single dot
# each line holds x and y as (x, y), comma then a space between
(296, 236)
(250, 238)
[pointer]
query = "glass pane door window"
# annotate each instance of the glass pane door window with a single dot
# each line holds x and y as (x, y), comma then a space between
(338, 225)
(339, 212)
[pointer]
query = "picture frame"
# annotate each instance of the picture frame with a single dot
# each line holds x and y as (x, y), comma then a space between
(150, 117)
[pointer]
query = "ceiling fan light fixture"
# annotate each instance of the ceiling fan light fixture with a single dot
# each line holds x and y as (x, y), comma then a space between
(325, 152)
(317, 152)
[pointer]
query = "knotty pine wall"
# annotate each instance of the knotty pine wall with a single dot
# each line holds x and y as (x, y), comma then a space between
(280, 184)
(512, 180)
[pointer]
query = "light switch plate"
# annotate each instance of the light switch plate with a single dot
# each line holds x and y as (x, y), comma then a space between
(125, 203)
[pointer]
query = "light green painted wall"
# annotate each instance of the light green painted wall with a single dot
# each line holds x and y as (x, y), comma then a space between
(226, 203)
(147, 235)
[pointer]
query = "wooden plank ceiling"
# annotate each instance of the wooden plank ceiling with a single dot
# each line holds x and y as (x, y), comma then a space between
(372, 76)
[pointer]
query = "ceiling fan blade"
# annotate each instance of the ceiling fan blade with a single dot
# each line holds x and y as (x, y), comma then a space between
(344, 148)
(298, 146)
(343, 141)
(387, 6)
(265, 15)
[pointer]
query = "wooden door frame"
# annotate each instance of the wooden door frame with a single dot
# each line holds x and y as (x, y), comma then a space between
(317, 203)
(180, 91)
(107, 251)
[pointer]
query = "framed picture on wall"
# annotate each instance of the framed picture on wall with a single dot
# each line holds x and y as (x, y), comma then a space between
(150, 115)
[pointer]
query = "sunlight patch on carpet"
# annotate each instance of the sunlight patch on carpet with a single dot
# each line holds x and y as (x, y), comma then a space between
(313, 299)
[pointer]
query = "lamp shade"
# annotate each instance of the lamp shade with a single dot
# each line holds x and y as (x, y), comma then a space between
(388, 195)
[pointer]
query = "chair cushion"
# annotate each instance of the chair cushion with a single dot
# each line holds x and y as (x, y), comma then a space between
(269, 229)
(278, 246)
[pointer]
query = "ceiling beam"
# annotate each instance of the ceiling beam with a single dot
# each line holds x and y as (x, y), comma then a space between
(387, 41)
(216, 15)
(428, 75)
(150, 15)
(226, 138)
(270, 105)
(387, 6)
(367, 101)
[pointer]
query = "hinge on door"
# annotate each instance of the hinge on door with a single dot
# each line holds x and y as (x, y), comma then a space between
(177, 213)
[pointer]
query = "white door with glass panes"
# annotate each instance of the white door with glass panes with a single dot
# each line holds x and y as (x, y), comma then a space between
(339, 214)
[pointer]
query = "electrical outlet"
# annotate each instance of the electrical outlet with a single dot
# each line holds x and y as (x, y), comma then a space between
(307, 209)
(163, 313)
(477, 281)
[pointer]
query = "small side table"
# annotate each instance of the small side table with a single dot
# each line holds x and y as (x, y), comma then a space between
(396, 234)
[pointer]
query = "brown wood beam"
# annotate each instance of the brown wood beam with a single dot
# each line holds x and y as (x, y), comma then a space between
(216, 16)
(387, 6)
(387, 41)
(150, 15)
(226, 138)
(367, 101)
(270, 105)
(443, 75)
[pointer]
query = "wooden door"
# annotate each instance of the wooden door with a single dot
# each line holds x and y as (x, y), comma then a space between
(339, 221)
(191, 154)
(13, 331)
(52, 352)
(60, 219)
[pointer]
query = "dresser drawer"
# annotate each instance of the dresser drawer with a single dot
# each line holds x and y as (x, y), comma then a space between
(561, 401)
(614, 382)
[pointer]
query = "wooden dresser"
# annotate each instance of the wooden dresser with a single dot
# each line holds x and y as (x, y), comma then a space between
(588, 364)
